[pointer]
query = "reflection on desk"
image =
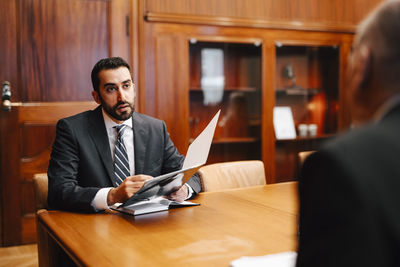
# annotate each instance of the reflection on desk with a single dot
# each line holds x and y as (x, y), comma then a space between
(251, 221)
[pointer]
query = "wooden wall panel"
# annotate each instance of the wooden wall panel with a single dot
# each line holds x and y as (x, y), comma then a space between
(9, 179)
(166, 52)
(60, 42)
(47, 51)
(172, 79)
(31, 147)
(35, 146)
(26, 135)
(8, 41)
(338, 15)
(8, 72)
(121, 23)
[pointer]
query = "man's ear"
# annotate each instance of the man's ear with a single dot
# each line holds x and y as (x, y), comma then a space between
(360, 82)
(96, 97)
(362, 70)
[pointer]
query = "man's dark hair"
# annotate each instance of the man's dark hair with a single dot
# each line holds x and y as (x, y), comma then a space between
(106, 64)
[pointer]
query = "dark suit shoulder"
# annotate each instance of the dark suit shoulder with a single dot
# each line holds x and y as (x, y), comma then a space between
(374, 134)
(147, 119)
(148, 123)
(81, 121)
(366, 139)
(366, 153)
(81, 116)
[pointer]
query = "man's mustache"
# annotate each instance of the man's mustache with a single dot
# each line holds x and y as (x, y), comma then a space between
(121, 103)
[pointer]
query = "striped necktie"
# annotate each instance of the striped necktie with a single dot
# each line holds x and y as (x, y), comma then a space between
(121, 162)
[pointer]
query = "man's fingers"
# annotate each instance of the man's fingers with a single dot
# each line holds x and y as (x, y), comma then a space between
(179, 195)
(137, 178)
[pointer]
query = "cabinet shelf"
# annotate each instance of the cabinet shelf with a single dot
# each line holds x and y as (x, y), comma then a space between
(306, 81)
(230, 88)
(306, 138)
(297, 91)
(232, 140)
(238, 133)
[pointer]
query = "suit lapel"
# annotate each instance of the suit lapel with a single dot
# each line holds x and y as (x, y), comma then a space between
(98, 132)
(140, 140)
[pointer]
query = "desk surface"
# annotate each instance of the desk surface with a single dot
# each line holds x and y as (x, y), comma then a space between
(227, 225)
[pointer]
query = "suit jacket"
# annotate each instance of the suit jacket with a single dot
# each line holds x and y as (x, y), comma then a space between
(350, 199)
(81, 161)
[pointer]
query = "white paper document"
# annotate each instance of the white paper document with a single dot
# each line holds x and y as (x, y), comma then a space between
(284, 259)
(165, 184)
(284, 123)
(197, 152)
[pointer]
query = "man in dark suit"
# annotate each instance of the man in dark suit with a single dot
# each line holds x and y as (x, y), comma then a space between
(350, 190)
(82, 174)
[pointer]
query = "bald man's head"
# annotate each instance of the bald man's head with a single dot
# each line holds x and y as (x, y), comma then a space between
(380, 32)
(374, 66)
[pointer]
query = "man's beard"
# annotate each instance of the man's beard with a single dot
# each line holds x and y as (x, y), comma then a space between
(112, 111)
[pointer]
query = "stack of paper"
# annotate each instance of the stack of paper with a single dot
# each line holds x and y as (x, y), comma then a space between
(284, 259)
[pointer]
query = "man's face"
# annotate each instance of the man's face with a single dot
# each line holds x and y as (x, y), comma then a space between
(116, 93)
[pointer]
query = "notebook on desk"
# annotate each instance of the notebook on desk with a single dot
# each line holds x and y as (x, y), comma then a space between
(152, 205)
(165, 184)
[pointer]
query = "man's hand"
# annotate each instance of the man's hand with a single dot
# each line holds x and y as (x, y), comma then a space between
(179, 195)
(126, 189)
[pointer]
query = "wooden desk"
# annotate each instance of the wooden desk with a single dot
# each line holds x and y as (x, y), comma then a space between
(227, 225)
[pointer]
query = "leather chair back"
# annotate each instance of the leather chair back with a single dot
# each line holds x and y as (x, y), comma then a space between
(235, 174)
(40, 183)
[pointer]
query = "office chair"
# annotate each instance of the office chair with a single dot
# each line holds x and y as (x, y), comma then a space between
(40, 183)
(301, 157)
(235, 174)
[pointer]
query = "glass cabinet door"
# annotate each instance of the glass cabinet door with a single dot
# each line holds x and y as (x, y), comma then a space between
(227, 76)
(306, 103)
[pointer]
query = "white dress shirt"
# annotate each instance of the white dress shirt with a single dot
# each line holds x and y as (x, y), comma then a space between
(99, 201)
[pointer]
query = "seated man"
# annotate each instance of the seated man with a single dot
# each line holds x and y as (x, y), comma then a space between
(350, 189)
(104, 156)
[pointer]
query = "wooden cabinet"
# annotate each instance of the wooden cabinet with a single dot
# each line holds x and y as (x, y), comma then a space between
(307, 85)
(226, 76)
(253, 62)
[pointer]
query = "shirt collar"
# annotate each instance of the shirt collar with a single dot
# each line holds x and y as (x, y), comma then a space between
(110, 123)
(386, 107)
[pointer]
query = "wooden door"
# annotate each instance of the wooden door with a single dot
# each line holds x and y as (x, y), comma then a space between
(47, 51)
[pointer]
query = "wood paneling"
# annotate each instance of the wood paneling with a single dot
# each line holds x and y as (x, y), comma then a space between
(47, 51)
(8, 71)
(172, 76)
(325, 15)
(268, 101)
(60, 42)
(306, 22)
(10, 200)
(27, 133)
(120, 29)
(136, 22)
(49, 47)
(166, 50)
(8, 41)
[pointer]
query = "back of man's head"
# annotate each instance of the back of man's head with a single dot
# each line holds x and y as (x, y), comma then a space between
(106, 64)
(380, 32)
